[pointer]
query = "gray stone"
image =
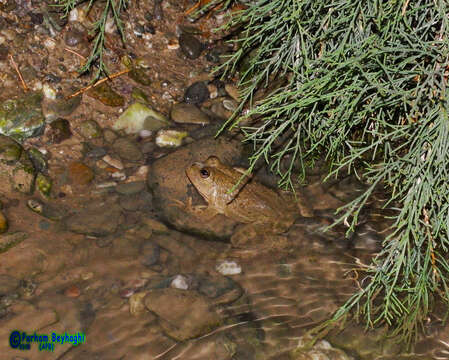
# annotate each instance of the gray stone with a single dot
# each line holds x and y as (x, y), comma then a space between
(127, 149)
(189, 114)
(190, 46)
(95, 220)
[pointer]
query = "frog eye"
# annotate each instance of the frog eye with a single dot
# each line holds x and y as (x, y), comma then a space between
(204, 173)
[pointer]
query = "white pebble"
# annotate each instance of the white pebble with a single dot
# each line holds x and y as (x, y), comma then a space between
(229, 268)
(145, 133)
(50, 44)
(179, 282)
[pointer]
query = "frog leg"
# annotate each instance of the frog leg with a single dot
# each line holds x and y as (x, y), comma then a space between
(202, 211)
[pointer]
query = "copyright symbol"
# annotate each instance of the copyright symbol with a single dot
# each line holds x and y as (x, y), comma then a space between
(14, 339)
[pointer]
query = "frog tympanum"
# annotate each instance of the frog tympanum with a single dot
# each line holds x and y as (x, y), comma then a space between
(249, 203)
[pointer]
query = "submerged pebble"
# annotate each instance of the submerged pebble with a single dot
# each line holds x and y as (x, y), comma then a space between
(170, 138)
(191, 47)
(228, 267)
(197, 93)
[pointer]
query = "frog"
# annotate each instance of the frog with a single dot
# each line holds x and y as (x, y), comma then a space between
(232, 192)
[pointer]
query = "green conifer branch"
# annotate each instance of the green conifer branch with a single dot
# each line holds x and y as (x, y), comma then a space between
(365, 84)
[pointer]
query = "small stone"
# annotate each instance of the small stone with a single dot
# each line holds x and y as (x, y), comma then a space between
(113, 162)
(44, 225)
(136, 304)
(59, 130)
(190, 46)
(109, 135)
(89, 129)
(228, 268)
(233, 91)
(3, 223)
(170, 138)
(189, 114)
(38, 159)
(151, 254)
(22, 117)
(127, 149)
(131, 188)
(139, 117)
(197, 93)
(179, 282)
(72, 291)
(10, 150)
(43, 184)
(79, 173)
(10, 240)
(106, 95)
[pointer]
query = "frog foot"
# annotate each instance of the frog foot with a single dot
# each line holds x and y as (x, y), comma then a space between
(189, 207)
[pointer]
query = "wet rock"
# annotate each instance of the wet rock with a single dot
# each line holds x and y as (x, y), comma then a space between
(46, 210)
(139, 117)
(79, 173)
(38, 159)
(131, 188)
(59, 130)
(72, 291)
(189, 114)
(127, 149)
(10, 240)
(23, 175)
(60, 107)
(22, 117)
(170, 138)
(10, 150)
(109, 135)
(97, 152)
(43, 184)
(168, 182)
(228, 268)
(106, 95)
(89, 129)
(233, 91)
(191, 47)
(197, 93)
(3, 223)
(157, 10)
(320, 350)
(95, 220)
(182, 314)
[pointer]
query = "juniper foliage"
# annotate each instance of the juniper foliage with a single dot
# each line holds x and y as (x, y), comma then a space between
(111, 8)
(365, 83)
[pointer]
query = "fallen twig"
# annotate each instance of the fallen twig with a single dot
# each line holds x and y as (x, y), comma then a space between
(24, 85)
(101, 81)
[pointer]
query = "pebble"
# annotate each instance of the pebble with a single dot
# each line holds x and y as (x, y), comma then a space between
(114, 162)
(138, 117)
(106, 95)
(188, 114)
(72, 291)
(179, 282)
(131, 188)
(233, 91)
(79, 173)
(191, 47)
(127, 149)
(170, 138)
(197, 93)
(89, 129)
(127, 293)
(228, 268)
(3, 223)
(59, 130)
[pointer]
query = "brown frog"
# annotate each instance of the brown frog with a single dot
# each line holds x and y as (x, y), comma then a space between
(249, 203)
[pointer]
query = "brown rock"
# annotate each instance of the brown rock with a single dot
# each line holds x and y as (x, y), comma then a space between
(79, 173)
(3, 223)
(182, 314)
(72, 291)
